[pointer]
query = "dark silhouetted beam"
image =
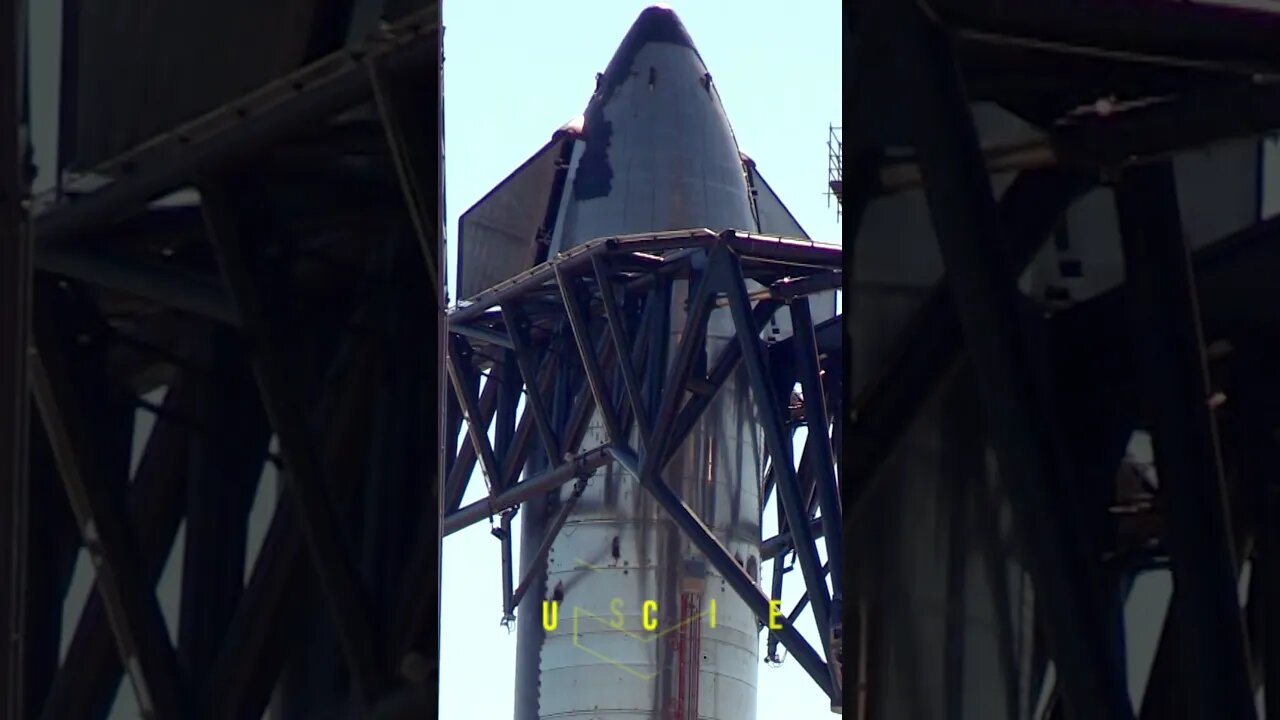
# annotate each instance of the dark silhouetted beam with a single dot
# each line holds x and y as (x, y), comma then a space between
(965, 220)
(1201, 35)
(1173, 375)
(257, 641)
(222, 477)
(304, 476)
(85, 682)
(131, 607)
(15, 321)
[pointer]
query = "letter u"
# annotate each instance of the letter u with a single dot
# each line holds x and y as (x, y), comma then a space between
(550, 621)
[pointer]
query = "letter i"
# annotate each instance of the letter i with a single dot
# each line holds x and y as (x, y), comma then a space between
(713, 612)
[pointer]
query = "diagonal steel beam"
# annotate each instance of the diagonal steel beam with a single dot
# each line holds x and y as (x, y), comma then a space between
(692, 343)
(965, 219)
(408, 111)
(572, 291)
(464, 382)
(91, 671)
(723, 561)
(222, 478)
(1175, 384)
(460, 471)
(535, 399)
(822, 464)
(131, 606)
(540, 556)
(254, 650)
(778, 442)
(932, 345)
(304, 476)
(730, 359)
(622, 346)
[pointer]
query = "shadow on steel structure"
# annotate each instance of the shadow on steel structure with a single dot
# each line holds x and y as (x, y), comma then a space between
(297, 262)
(1103, 101)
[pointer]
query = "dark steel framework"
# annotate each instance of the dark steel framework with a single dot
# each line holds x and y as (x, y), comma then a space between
(1194, 74)
(297, 295)
(604, 303)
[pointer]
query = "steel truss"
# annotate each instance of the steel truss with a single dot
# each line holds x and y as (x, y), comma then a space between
(1059, 425)
(257, 325)
(603, 302)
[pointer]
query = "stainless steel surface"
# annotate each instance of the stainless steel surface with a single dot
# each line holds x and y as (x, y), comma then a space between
(674, 164)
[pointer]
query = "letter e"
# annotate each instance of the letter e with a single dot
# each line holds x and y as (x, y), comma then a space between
(775, 611)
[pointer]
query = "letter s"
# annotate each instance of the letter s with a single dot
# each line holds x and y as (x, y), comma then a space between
(616, 606)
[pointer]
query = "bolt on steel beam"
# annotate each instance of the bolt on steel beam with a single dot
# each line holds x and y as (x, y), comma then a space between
(1168, 340)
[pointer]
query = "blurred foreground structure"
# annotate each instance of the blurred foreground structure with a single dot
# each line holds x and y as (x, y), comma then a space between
(235, 298)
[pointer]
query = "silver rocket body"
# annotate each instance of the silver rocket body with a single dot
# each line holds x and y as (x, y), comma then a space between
(653, 152)
(657, 153)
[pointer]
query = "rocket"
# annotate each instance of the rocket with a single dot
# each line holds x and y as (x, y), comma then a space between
(628, 621)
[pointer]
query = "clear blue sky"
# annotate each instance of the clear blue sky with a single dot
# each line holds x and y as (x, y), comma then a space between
(514, 72)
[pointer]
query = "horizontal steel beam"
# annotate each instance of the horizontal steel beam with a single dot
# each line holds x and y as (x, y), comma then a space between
(1197, 35)
(583, 464)
(172, 287)
(240, 128)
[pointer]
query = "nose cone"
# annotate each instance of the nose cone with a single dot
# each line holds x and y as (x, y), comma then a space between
(656, 150)
(656, 24)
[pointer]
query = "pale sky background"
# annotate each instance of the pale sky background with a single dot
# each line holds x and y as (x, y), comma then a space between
(514, 73)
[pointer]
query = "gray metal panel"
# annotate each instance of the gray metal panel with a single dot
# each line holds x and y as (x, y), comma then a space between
(1217, 194)
(496, 237)
(775, 218)
(143, 66)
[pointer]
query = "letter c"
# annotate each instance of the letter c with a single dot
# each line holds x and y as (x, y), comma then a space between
(650, 623)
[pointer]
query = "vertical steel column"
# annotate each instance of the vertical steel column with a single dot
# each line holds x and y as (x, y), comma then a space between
(1175, 382)
(15, 318)
(963, 212)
